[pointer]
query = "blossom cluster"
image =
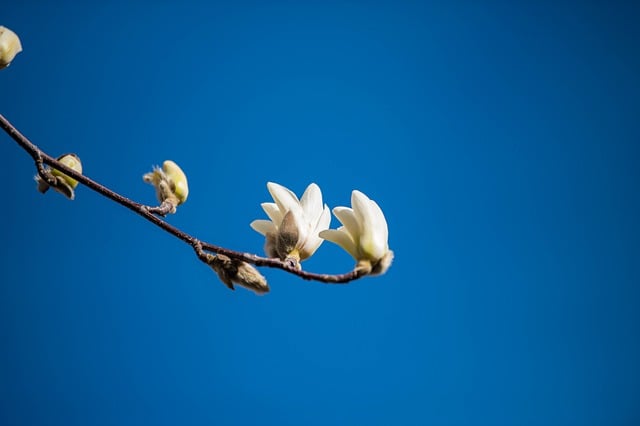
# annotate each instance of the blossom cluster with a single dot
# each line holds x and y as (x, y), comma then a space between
(294, 231)
(297, 227)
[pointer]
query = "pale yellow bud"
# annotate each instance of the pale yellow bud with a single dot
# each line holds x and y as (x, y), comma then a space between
(170, 183)
(178, 180)
(9, 46)
(73, 162)
(63, 184)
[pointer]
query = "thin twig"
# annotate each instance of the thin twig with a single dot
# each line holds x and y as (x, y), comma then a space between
(147, 212)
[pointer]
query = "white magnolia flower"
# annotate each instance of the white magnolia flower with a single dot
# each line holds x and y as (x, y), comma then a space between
(292, 232)
(9, 46)
(364, 234)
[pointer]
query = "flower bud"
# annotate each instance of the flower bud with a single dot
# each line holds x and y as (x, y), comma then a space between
(170, 183)
(63, 184)
(73, 162)
(232, 271)
(9, 46)
(178, 179)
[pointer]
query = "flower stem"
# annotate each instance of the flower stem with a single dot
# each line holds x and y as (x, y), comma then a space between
(147, 212)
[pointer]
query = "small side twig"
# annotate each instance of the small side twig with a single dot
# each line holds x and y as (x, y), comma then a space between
(42, 172)
(149, 213)
(162, 210)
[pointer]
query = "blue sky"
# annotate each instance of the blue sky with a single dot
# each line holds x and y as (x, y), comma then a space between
(501, 140)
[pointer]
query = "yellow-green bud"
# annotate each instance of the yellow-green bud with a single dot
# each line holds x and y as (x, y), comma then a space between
(9, 46)
(63, 184)
(73, 162)
(178, 180)
(170, 183)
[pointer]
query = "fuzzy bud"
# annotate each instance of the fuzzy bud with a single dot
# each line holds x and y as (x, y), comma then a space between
(170, 183)
(232, 271)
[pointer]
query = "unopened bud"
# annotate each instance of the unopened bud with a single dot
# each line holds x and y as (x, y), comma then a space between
(170, 183)
(9, 46)
(63, 184)
(232, 271)
(178, 180)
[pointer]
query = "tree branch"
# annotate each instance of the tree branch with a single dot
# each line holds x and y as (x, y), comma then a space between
(147, 212)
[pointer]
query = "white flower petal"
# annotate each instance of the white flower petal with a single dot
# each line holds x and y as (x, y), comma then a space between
(379, 223)
(272, 210)
(311, 202)
(373, 226)
(284, 198)
(360, 205)
(341, 238)
(301, 223)
(347, 217)
(313, 240)
(309, 247)
(263, 226)
(324, 221)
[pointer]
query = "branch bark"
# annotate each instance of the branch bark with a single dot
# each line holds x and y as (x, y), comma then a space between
(147, 212)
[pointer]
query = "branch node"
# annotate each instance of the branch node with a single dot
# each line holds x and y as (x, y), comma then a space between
(163, 209)
(43, 172)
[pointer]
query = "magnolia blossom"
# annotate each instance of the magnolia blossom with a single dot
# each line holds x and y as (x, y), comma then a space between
(292, 231)
(364, 234)
(9, 46)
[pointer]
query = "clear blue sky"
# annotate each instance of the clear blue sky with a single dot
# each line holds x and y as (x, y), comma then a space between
(501, 139)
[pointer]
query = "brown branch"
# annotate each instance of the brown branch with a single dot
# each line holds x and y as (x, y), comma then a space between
(147, 212)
